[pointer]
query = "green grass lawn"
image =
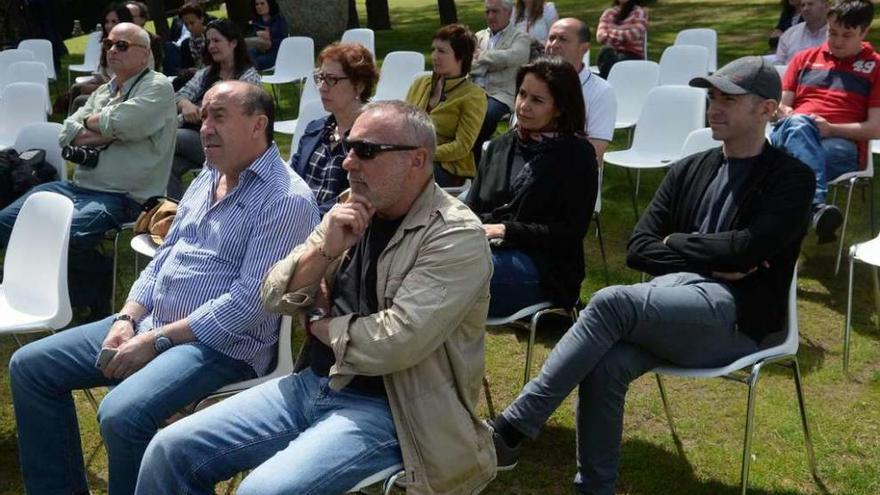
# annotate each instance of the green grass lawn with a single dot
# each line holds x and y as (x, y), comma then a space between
(843, 411)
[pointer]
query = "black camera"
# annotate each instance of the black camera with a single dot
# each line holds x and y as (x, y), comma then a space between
(85, 156)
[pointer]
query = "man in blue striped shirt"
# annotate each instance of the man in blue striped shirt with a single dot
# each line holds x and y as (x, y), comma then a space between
(193, 321)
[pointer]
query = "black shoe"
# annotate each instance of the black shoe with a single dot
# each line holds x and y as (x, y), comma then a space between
(506, 456)
(826, 220)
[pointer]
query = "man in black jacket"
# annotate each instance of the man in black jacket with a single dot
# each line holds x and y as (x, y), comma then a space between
(721, 237)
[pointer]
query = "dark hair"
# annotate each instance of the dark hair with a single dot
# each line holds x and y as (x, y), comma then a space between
(853, 13)
(191, 10)
(583, 32)
(535, 11)
(273, 7)
(565, 87)
(462, 41)
(357, 63)
(787, 8)
(241, 59)
(625, 9)
(256, 101)
(145, 11)
(122, 13)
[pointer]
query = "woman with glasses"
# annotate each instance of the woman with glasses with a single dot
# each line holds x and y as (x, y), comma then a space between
(535, 190)
(225, 58)
(345, 81)
(268, 28)
(455, 104)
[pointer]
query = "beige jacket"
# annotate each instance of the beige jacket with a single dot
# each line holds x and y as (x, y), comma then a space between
(427, 340)
(495, 69)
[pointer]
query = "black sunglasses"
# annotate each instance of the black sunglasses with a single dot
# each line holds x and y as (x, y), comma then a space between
(366, 150)
(121, 45)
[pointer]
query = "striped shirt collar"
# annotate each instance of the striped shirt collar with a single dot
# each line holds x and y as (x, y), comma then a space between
(262, 167)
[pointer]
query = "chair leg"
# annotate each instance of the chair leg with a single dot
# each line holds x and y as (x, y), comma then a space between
(488, 393)
(632, 189)
(677, 441)
(750, 424)
(115, 271)
(389, 483)
(852, 184)
(848, 321)
(532, 329)
(871, 206)
(808, 439)
(602, 249)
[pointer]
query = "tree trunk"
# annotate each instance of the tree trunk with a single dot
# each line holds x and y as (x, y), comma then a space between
(240, 12)
(353, 19)
(322, 20)
(157, 12)
(378, 17)
(448, 13)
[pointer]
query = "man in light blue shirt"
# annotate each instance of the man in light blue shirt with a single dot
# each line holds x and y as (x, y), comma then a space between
(193, 321)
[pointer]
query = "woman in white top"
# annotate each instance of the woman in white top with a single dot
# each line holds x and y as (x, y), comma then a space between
(534, 17)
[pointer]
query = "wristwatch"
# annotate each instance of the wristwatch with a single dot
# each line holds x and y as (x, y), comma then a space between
(315, 314)
(124, 317)
(162, 342)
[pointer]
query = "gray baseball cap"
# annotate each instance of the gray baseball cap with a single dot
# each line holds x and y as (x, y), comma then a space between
(742, 76)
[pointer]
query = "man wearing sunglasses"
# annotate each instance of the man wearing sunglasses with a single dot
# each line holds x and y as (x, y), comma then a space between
(130, 121)
(394, 289)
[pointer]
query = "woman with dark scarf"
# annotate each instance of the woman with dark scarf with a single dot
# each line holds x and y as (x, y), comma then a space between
(535, 190)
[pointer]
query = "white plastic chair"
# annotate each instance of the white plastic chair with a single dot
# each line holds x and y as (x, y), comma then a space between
(632, 80)
(849, 180)
(309, 112)
(295, 61)
(781, 70)
(42, 50)
(309, 94)
(681, 63)
(21, 104)
(698, 141)
(33, 293)
(30, 71)
(387, 476)
(668, 116)
(9, 57)
(784, 354)
(43, 136)
(362, 36)
(867, 252)
(91, 57)
(701, 37)
(398, 72)
(283, 367)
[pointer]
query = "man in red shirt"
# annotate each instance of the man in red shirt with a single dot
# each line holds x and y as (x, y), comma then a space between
(831, 106)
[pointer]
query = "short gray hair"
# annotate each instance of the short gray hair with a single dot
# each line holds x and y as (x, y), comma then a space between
(507, 4)
(415, 122)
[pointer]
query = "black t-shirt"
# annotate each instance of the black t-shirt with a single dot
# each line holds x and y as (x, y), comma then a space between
(355, 293)
(723, 192)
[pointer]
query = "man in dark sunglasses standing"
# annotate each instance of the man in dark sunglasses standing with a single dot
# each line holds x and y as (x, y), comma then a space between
(130, 123)
(393, 286)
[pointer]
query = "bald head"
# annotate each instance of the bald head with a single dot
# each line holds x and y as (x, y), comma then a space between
(236, 125)
(569, 38)
(132, 55)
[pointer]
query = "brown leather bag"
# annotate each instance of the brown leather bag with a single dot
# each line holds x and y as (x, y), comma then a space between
(156, 217)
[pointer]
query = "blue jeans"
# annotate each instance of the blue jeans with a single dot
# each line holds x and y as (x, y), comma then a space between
(625, 331)
(829, 158)
(515, 283)
(43, 374)
(94, 213)
(263, 60)
(295, 433)
(495, 111)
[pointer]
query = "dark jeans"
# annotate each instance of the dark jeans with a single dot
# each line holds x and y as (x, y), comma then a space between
(682, 318)
(609, 56)
(495, 111)
(515, 284)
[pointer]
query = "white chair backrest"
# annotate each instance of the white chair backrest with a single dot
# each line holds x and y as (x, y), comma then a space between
(701, 37)
(781, 70)
(35, 268)
(681, 63)
(92, 56)
(43, 136)
(296, 57)
(22, 103)
(698, 141)
(42, 50)
(9, 57)
(398, 72)
(632, 80)
(309, 92)
(362, 36)
(32, 72)
(307, 113)
(669, 115)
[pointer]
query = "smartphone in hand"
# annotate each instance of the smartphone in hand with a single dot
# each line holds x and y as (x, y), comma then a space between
(104, 357)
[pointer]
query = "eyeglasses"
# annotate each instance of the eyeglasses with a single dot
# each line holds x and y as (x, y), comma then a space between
(323, 77)
(366, 150)
(120, 45)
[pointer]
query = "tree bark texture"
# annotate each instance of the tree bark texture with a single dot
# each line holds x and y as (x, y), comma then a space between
(378, 17)
(448, 12)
